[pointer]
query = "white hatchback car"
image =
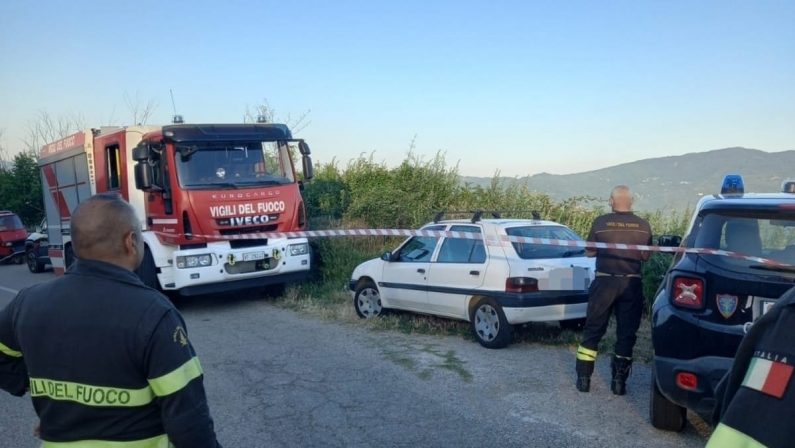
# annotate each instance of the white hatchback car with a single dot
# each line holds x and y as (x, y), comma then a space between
(488, 281)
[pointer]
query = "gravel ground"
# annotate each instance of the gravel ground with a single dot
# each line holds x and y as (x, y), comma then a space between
(278, 378)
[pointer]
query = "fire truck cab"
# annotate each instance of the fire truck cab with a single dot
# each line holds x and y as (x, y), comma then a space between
(206, 195)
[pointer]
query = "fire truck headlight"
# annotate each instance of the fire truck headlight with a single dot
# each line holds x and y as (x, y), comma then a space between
(194, 261)
(299, 249)
(9, 244)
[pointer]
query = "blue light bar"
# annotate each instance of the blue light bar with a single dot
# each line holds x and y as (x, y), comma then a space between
(732, 184)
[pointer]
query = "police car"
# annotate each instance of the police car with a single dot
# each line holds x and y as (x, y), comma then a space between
(707, 301)
(484, 278)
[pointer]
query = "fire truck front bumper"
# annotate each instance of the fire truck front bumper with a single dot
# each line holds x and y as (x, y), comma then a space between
(220, 268)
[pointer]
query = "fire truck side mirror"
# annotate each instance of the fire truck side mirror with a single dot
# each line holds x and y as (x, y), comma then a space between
(306, 161)
(303, 148)
(144, 175)
(140, 152)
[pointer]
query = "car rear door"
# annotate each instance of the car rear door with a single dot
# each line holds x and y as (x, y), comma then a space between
(457, 270)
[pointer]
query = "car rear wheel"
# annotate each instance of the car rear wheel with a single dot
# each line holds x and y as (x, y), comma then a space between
(367, 300)
(32, 258)
(489, 325)
(663, 413)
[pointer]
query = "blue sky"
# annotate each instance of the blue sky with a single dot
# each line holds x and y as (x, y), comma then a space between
(520, 87)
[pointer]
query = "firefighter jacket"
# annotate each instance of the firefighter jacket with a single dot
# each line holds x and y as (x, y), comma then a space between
(755, 401)
(620, 228)
(105, 359)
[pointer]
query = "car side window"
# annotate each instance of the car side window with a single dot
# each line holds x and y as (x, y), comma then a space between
(460, 250)
(419, 248)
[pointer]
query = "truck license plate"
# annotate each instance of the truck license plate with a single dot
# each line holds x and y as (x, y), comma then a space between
(253, 256)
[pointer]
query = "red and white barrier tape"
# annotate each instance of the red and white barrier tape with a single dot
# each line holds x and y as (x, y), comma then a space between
(489, 241)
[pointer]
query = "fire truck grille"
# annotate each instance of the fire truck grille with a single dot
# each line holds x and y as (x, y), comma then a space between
(242, 244)
(247, 230)
(246, 267)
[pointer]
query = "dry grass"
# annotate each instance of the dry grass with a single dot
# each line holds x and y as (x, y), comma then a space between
(336, 305)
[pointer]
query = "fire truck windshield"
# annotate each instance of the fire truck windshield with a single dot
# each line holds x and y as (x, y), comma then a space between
(214, 165)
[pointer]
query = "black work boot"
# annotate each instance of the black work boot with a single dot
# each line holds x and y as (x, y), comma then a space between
(621, 367)
(584, 371)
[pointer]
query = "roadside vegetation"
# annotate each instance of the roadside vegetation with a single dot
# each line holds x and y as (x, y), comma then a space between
(20, 188)
(368, 194)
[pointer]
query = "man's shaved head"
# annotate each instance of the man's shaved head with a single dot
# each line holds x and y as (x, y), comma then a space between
(100, 227)
(621, 198)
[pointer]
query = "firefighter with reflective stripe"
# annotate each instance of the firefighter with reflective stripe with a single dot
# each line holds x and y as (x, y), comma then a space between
(617, 289)
(104, 358)
(755, 401)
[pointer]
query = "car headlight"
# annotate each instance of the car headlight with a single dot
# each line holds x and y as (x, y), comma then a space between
(299, 249)
(194, 261)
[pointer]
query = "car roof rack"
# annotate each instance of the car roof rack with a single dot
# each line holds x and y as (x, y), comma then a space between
(477, 215)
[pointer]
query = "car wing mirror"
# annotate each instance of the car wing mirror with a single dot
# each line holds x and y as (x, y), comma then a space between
(386, 256)
(669, 241)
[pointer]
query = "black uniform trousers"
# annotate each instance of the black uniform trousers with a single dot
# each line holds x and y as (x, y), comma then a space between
(622, 295)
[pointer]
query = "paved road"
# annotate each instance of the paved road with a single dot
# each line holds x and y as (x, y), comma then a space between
(277, 378)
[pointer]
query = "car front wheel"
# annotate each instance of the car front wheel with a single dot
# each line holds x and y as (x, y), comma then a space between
(663, 413)
(367, 300)
(489, 325)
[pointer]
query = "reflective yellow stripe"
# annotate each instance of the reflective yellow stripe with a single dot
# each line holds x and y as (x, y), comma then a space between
(6, 350)
(89, 395)
(177, 378)
(586, 354)
(726, 436)
(154, 442)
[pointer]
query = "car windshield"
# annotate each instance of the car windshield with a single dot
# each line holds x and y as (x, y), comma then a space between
(234, 165)
(759, 233)
(537, 251)
(10, 222)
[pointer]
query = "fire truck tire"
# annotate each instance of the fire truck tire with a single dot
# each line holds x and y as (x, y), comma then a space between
(34, 265)
(147, 271)
(68, 257)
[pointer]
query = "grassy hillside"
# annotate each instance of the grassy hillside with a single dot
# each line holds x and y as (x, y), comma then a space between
(675, 182)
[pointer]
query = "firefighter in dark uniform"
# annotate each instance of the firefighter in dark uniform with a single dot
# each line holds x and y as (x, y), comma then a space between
(106, 360)
(617, 288)
(755, 401)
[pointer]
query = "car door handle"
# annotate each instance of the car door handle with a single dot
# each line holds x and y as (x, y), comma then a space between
(421, 271)
(474, 272)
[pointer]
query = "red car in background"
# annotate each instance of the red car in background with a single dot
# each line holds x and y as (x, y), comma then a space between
(12, 238)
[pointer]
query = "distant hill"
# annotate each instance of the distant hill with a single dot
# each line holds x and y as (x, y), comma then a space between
(674, 182)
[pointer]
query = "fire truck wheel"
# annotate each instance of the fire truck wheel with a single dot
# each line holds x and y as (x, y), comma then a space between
(147, 271)
(34, 265)
(68, 257)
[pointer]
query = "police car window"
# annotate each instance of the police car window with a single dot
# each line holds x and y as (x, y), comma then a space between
(461, 250)
(529, 251)
(419, 248)
(766, 234)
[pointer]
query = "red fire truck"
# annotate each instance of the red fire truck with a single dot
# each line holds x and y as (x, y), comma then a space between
(204, 194)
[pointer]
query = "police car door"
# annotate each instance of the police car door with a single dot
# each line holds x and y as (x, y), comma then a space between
(458, 269)
(404, 278)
